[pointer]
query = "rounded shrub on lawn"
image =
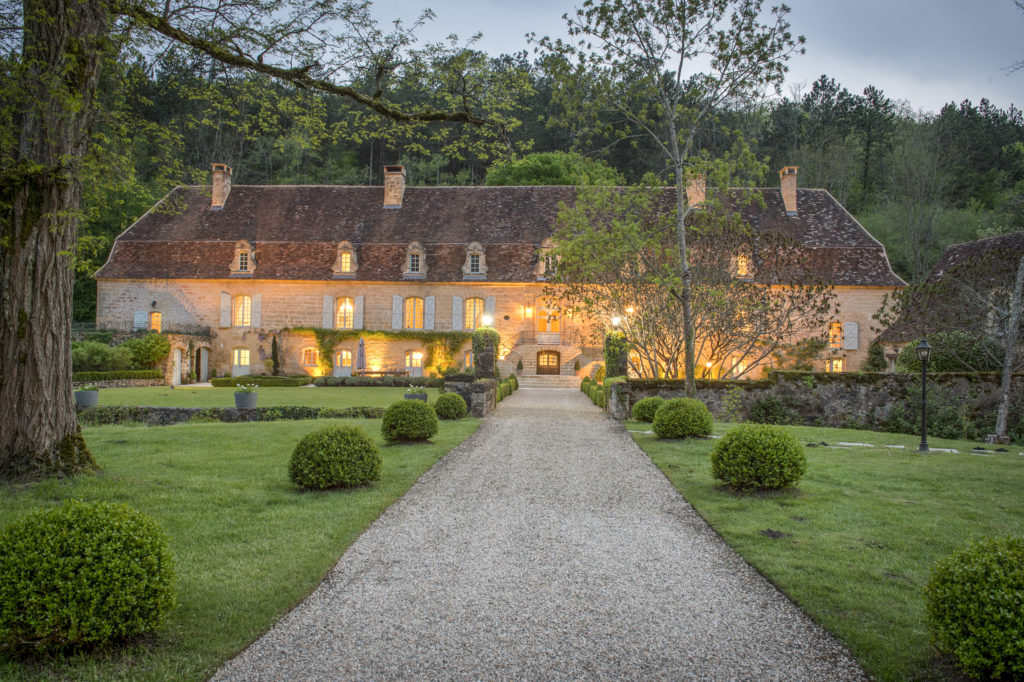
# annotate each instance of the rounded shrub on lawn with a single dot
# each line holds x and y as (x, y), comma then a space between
(335, 457)
(409, 420)
(81, 575)
(644, 409)
(450, 406)
(758, 456)
(975, 608)
(682, 418)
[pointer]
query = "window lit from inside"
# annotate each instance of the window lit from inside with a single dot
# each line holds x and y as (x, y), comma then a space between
(742, 266)
(835, 336)
(155, 321)
(240, 357)
(474, 308)
(346, 262)
(344, 358)
(834, 365)
(413, 313)
(345, 318)
(242, 312)
(309, 357)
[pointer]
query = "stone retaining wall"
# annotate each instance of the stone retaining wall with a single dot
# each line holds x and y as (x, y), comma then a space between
(480, 394)
(122, 383)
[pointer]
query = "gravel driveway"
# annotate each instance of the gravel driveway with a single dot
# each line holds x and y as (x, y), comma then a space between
(546, 546)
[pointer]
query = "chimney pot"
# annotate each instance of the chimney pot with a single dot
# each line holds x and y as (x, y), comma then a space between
(221, 185)
(394, 186)
(787, 178)
(695, 191)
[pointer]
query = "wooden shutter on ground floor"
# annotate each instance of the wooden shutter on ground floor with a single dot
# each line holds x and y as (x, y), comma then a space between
(357, 316)
(456, 313)
(396, 312)
(225, 309)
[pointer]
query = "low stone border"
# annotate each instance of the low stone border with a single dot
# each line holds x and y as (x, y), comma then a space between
(122, 383)
(164, 416)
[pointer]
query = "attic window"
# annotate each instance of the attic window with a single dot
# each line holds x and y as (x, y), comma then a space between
(475, 266)
(415, 262)
(743, 267)
(244, 262)
(547, 264)
(346, 263)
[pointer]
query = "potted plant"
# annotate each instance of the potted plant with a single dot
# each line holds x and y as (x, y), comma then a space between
(245, 396)
(416, 393)
(87, 395)
(519, 366)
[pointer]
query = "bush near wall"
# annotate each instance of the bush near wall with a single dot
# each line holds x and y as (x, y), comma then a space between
(429, 382)
(91, 377)
(261, 380)
(102, 415)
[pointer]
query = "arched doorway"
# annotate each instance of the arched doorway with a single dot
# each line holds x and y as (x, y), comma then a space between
(202, 364)
(549, 362)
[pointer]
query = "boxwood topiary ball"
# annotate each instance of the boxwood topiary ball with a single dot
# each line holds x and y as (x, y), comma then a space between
(753, 456)
(80, 575)
(450, 406)
(644, 409)
(682, 418)
(975, 608)
(408, 420)
(335, 457)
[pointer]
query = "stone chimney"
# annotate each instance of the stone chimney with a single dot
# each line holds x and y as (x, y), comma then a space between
(695, 191)
(394, 186)
(787, 178)
(221, 185)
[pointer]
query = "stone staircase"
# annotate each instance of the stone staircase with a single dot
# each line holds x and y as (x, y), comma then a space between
(549, 381)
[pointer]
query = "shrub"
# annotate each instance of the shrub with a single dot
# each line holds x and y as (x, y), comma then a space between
(953, 351)
(755, 456)
(875, 361)
(450, 406)
(261, 380)
(93, 356)
(334, 457)
(148, 351)
(85, 377)
(771, 410)
(599, 375)
(599, 398)
(616, 353)
(974, 603)
(409, 420)
(514, 380)
(519, 365)
(681, 418)
(82, 574)
(585, 384)
(100, 336)
(644, 409)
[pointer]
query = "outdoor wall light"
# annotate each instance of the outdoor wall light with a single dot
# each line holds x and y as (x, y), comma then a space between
(923, 351)
(487, 320)
(528, 312)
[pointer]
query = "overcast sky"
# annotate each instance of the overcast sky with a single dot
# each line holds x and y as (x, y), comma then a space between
(925, 52)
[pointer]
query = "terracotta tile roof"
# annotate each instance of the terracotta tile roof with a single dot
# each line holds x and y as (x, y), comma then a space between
(295, 231)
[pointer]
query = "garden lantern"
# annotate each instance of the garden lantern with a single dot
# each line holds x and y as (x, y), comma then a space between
(923, 351)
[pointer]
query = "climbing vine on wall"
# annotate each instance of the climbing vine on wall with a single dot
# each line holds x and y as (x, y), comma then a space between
(441, 347)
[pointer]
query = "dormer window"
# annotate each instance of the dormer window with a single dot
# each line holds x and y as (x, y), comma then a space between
(346, 263)
(475, 266)
(547, 263)
(743, 267)
(244, 262)
(415, 262)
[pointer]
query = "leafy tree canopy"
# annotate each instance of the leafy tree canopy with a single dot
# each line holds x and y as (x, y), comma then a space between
(553, 168)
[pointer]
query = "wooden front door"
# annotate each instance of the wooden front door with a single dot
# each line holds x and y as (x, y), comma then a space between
(548, 362)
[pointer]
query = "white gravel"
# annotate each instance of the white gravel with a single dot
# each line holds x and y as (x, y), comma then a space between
(547, 546)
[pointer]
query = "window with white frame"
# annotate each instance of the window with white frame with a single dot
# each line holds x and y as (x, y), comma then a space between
(240, 357)
(475, 266)
(244, 262)
(415, 262)
(344, 358)
(834, 365)
(241, 311)
(346, 262)
(413, 318)
(414, 358)
(310, 357)
(345, 313)
(473, 308)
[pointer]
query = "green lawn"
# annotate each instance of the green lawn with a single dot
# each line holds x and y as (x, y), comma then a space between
(247, 544)
(862, 530)
(308, 396)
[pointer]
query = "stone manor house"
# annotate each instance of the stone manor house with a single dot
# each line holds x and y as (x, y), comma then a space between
(238, 266)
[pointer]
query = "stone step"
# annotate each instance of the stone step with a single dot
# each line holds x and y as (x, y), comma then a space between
(549, 381)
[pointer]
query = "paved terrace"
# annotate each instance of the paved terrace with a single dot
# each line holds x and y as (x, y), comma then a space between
(547, 546)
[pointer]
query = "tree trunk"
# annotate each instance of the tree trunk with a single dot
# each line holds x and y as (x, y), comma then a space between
(689, 361)
(41, 200)
(1012, 328)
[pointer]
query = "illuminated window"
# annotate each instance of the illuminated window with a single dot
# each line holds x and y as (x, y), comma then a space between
(413, 313)
(244, 263)
(154, 321)
(309, 357)
(742, 265)
(835, 335)
(345, 314)
(469, 359)
(240, 357)
(344, 358)
(834, 365)
(414, 358)
(241, 311)
(346, 262)
(474, 308)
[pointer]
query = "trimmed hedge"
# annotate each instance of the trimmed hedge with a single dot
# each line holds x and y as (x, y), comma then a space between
(450, 406)
(403, 382)
(974, 604)
(408, 420)
(262, 380)
(334, 457)
(80, 575)
(88, 377)
(682, 418)
(101, 415)
(645, 408)
(758, 456)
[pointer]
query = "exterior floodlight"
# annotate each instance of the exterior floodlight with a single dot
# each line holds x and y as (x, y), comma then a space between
(616, 321)
(487, 320)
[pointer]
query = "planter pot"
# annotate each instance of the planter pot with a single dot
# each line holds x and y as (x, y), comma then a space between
(416, 396)
(86, 398)
(245, 400)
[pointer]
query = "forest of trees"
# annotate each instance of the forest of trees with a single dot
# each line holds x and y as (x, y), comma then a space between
(918, 182)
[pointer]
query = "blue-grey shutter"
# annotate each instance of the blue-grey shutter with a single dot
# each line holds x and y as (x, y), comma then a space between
(328, 317)
(257, 311)
(141, 320)
(357, 316)
(457, 313)
(396, 312)
(489, 306)
(851, 336)
(225, 309)
(428, 312)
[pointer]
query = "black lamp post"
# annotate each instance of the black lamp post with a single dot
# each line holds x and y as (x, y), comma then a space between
(923, 351)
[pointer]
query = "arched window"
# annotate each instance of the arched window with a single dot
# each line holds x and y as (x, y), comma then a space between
(310, 357)
(244, 262)
(415, 262)
(346, 263)
(475, 266)
(474, 308)
(344, 313)
(155, 320)
(241, 311)
(413, 313)
(344, 358)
